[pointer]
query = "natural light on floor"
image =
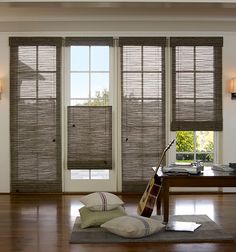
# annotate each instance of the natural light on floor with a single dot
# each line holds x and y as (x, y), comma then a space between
(74, 209)
(193, 207)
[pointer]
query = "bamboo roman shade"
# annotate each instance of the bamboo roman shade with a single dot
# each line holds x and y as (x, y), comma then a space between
(89, 41)
(143, 109)
(89, 137)
(196, 83)
(35, 122)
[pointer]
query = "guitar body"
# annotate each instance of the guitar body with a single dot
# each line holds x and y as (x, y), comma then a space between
(148, 200)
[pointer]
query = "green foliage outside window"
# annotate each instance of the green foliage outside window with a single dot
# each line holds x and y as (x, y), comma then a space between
(102, 99)
(184, 141)
(185, 146)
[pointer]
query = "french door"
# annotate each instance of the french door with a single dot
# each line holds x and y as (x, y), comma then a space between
(91, 83)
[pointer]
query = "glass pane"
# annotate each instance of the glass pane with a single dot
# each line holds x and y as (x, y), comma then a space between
(184, 58)
(27, 58)
(26, 171)
(204, 58)
(98, 102)
(132, 60)
(79, 85)
(152, 58)
(151, 111)
(77, 102)
(27, 87)
(182, 113)
(184, 141)
(79, 174)
(47, 58)
(185, 157)
(185, 146)
(207, 106)
(99, 84)
(99, 174)
(184, 85)
(206, 157)
(132, 85)
(152, 85)
(204, 141)
(47, 85)
(99, 58)
(205, 85)
(79, 58)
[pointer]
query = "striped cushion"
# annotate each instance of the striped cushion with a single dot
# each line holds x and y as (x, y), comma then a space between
(133, 226)
(90, 218)
(101, 201)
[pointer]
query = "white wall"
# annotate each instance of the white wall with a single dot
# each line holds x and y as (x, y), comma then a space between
(4, 116)
(229, 105)
(228, 136)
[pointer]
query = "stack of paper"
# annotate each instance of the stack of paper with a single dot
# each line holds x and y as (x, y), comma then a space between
(220, 167)
(182, 226)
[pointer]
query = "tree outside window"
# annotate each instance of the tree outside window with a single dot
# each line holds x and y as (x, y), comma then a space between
(195, 145)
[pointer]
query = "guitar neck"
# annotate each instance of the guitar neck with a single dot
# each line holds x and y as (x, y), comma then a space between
(163, 154)
(159, 163)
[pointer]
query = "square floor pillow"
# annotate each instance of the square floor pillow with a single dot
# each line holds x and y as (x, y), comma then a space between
(101, 201)
(133, 226)
(89, 218)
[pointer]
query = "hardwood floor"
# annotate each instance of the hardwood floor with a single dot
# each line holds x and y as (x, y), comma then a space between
(33, 223)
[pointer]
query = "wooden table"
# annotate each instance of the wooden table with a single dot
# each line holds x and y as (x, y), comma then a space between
(208, 178)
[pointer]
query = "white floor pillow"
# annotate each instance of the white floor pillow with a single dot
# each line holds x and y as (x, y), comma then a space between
(101, 201)
(133, 226)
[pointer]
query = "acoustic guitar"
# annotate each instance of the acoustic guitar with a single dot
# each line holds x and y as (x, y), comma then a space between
(147, 202)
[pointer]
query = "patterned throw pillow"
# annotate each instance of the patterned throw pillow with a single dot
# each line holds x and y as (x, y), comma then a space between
(90, 218)
(101, 201)
(133, 226)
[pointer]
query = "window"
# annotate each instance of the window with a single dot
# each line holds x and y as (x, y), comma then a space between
(196, 96)
(192, 146)
(89, 83)
(89, 75)
(143, 109)
(196, 83)
(35, 114)
(140, 103)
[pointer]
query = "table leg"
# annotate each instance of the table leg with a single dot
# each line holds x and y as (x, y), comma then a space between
(165, 195)
(158, 203)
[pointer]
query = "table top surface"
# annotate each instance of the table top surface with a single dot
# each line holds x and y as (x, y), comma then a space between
(207, 172)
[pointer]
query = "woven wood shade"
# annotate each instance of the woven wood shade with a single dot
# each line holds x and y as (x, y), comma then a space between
(89, 41)
(89, 137)
(197, 83)
(143, 109)
(35, 122)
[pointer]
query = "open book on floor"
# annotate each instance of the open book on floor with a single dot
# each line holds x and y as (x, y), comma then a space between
(182, 226)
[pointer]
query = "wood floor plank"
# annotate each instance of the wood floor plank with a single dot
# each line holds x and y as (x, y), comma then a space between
(35, 223)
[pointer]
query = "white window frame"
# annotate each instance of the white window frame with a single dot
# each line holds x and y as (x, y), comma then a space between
(86, 185)
(89, 175)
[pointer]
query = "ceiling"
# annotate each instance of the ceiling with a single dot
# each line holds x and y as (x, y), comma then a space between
(115, 10)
